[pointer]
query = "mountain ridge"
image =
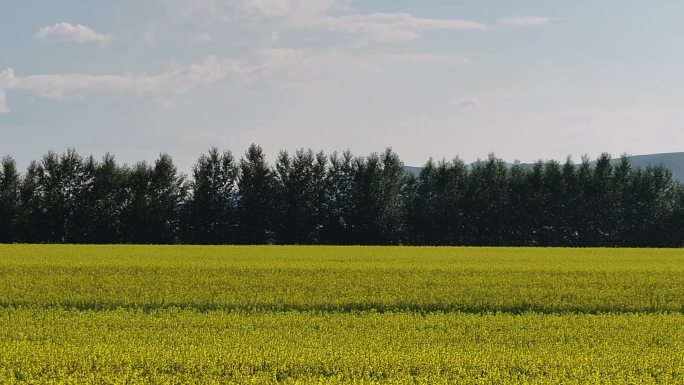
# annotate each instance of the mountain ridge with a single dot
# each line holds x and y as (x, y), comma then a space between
(674, 161)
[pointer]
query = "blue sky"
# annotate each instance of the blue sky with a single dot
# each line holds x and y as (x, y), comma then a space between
(523, 79)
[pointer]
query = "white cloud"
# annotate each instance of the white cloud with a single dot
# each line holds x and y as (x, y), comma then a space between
(529, 20)
(279, 67)
(7, 79)
(385, 27)
(303, 68)
(64, 86)
(327, 15)
(150, 35)
(255, 9)
(491, 100)
(76, 33)
(308, 68)
(3, 102)
(203, 38)
(422, 58)
(287, 8)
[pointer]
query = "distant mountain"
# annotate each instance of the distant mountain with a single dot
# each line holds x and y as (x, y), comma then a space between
(413, 170)
(673, 161)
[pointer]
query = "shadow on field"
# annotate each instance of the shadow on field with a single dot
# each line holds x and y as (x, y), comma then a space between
(344, 308)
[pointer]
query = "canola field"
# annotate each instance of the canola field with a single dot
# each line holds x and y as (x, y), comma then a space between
(340, 315)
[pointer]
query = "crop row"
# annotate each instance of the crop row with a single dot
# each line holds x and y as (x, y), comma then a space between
(344, 279)
(42, 346)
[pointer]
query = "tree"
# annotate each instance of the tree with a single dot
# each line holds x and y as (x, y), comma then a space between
(212, 209)
(341, 216)
(393, 198)
(168, 191)
(367, 183)
(582, 203)
(31, 223)
(674, 233)
(9, 201)
(255, 203)
(602, 211)
(657, 198)
(550, 231)
(63, 183)
(487, 200)
(437, 214)
(137, 217)
(310, 198)
(520, 213)
(106, 201)
(571, 191)
(623, 197)
(152, 213)
(300, 197)
(424, 210)
(381, 199)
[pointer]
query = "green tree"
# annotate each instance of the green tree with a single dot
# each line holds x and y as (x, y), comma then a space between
(624, 203)
(674, 233)
(367, 182)
(9, 201)
(380, 199)
(212, 209)
(63, 183)
(521, 208)
(424, 210)
(156, 194)
(602, 214)
(487, 199)
(550, 228)
(313, 199)
(106, 201)
(300, 203)
(657, 198)
(582, 203)
(168, 192)
(570, 202)
(136, 217)
(392, 201)
(255, 203)
(437, 208)
(340, 218)
(31, 223)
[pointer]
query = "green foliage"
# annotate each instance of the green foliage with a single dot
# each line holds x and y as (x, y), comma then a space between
(155, 195)
(64, 182)
(256, 198)
(31, 203)
(105, 202)
(310, 198)
(9, 201)
(300, 192)
(340, 223)
(212, 209)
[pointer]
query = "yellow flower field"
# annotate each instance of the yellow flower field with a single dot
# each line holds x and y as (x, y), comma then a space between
(329, 315)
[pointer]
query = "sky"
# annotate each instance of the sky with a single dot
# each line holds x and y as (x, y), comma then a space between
(525, 80)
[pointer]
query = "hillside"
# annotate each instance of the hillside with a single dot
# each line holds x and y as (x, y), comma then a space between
(673, 161)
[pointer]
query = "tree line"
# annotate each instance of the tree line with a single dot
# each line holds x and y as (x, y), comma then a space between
(340, 199)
